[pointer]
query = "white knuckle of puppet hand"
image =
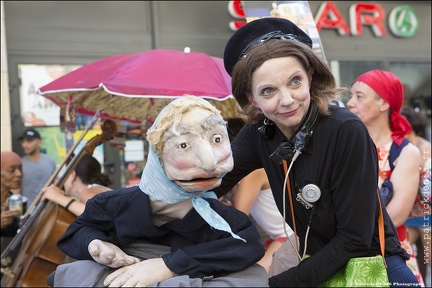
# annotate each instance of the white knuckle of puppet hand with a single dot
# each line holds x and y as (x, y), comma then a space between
(93, 248)
(140, 274)
(108, 254)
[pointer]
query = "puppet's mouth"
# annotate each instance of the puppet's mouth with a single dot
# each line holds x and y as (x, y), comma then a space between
(199, 182)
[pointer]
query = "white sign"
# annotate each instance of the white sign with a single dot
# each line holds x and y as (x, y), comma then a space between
(37, 110)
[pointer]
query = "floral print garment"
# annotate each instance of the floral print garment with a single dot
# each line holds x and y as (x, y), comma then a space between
(384, 173)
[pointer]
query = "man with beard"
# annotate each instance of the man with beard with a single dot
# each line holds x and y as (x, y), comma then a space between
(37, 167)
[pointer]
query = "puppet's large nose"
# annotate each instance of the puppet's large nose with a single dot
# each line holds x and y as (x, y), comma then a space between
(207, 158)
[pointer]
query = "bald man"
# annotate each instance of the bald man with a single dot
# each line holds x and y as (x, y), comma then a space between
(11, 174)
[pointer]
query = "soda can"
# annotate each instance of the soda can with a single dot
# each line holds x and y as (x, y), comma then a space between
(24, 204)
(15, 203)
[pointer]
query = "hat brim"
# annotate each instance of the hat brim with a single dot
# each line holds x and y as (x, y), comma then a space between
(27, 137)
(253, 30)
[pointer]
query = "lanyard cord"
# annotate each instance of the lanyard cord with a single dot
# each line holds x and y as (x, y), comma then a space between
(287, 182)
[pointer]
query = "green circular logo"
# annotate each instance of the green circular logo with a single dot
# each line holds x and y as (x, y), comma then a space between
(403, 21)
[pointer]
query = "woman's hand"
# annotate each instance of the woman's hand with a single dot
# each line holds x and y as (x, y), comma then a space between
(7, 217)
(53, 193)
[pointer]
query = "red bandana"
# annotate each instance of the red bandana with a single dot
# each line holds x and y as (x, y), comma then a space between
(389, 88)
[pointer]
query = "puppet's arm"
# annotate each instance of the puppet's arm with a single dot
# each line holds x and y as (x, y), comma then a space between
(217, 255)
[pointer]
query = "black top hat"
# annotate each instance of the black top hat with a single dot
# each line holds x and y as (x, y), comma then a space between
(259, 31)
(30, 134)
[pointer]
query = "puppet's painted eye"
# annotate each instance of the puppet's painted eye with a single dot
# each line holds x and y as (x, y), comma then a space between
(217, 139)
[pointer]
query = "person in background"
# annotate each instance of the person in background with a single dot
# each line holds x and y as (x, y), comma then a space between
(419, 222)
(285, 90)
(254, 197)
(85, 181)
(37, 167)
(377, 97)
(11, 174)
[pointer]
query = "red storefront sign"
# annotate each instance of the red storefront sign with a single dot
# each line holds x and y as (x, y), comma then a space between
(403, 20)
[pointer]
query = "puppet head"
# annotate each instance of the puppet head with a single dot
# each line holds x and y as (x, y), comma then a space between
(189, 154)
(190, 138)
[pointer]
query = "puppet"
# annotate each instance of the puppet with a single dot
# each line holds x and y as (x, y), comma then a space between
(173, 206)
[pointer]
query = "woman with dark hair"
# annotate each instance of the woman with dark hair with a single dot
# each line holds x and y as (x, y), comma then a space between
(319, 158)
(82, 184)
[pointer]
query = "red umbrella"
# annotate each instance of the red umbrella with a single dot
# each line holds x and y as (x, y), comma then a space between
(136, 86)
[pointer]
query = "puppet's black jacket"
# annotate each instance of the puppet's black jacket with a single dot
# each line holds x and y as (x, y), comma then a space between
(198, 250)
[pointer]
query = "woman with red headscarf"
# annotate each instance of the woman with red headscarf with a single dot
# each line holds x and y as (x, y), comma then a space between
(377, 97)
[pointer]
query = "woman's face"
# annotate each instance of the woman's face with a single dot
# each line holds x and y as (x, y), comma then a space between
(11, 174)
(280, 88)
(364, 103)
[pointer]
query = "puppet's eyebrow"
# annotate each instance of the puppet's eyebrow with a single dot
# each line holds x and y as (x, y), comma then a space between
(212, 121)
(207, 124)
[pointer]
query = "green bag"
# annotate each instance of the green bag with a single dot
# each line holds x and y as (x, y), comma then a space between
(364, 271)
(360, 272)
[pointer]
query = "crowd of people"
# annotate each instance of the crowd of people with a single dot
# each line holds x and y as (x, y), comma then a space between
(303, 170)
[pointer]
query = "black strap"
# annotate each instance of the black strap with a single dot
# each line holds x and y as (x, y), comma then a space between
(395, 152)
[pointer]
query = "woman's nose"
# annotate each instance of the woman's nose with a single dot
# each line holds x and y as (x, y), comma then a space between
(349, 104)
(286, 98)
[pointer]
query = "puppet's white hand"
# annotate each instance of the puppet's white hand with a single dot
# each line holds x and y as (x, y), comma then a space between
(109, 254)
(140, 274)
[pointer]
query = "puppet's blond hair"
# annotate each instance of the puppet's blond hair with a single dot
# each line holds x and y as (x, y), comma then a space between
(171, 116)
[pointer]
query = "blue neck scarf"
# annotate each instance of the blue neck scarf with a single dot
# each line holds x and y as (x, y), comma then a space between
(155, 184)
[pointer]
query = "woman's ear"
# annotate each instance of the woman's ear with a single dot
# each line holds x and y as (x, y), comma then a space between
(384, 105)
(72, 176)
(251, 100)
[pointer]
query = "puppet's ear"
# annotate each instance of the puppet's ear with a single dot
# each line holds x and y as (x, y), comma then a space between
(251, 100)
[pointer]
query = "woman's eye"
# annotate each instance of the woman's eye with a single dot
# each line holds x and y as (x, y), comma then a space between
(296, 81)
(267, 91)
(355, 96)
